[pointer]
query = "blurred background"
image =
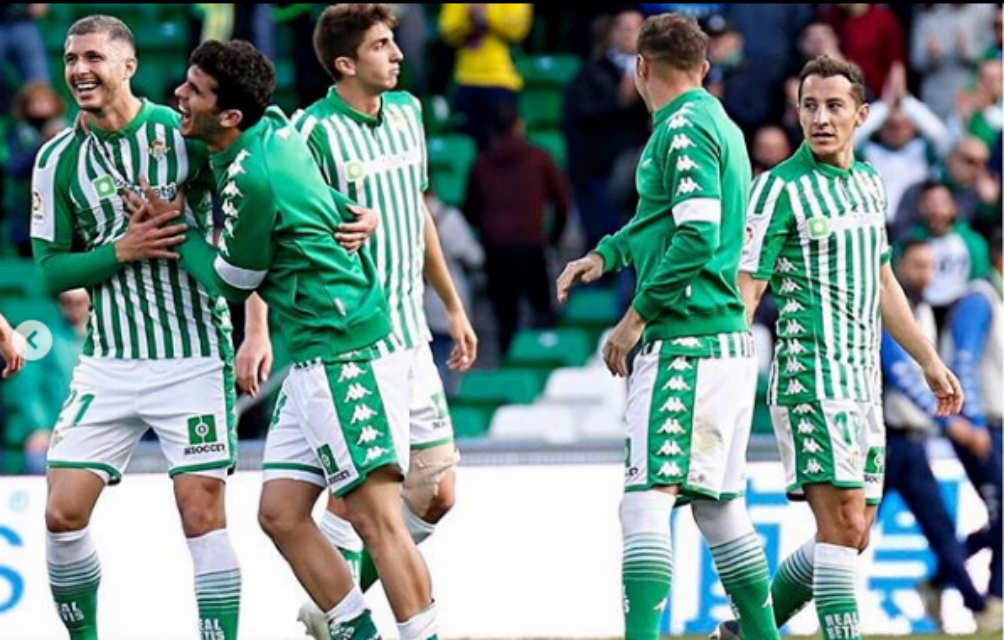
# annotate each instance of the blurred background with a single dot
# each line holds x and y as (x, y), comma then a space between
(543, 86)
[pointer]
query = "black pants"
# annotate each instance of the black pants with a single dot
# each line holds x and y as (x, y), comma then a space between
(515, 272)
(909, 472)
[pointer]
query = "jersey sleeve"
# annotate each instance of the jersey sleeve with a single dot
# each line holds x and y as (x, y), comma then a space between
(317, 143)
(769, 222)
(691, 161)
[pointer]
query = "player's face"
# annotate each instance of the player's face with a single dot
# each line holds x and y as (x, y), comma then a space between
(97, 69)
(378, 59)
(829, 114)
(916, 268)
(200, 117)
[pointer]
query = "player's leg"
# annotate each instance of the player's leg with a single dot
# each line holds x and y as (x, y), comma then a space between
(90, 446)
(192, 413)
(723, 414)
(294, 476)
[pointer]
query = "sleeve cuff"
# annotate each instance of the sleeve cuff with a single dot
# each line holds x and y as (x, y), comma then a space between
(645, 306)
(605, 251)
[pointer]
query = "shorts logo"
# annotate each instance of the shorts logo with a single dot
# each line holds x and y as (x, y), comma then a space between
(671, 426)
(202, 436)
(818, 228)
(104, 187)
(327, 459)
(670, 470)
(439, 403)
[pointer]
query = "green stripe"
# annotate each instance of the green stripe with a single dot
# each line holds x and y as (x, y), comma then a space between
(293, 466)
(194, 468)
(174, 275)
(197, 317)
(115, 476)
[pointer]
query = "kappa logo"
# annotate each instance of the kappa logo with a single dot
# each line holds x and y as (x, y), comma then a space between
(669, 448)
(687, 185)
(681, 141)
(694, 343)
(237, 167)
(362, 413)
(813, 468)
(671, 426)
(795, 348)
(684, 163)
(676, 383)
(349, 371)
(788, 286)
(818, 227)
(356, 392)
(678, 121)
(794, 366)
(680, 364)
(792, 306)
(795, 387)
(159, 149)
(670, 470)
(805, 427)
(373, 453)
(228, 209)
(804, 409)
(368, 435)
(811, 446)
(793, 327)
(230, 190)
(673, 405)
(785, 265)
(104, 187)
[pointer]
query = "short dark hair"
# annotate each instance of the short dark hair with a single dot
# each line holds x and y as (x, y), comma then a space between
(245, 78)
(99, 23)
(827, 67)
(673, 39)
(929, 185)
(504, 116)
(340, 30)
(911, 242)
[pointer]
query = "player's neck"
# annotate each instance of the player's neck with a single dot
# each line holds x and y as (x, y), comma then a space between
(222, 140)
(670, 88)
(118, 114)
(359, 98)
(842, 159)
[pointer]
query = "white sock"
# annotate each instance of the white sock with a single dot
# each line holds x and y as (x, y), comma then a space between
(420, 627)
(217, 580)
(340, 533)
(349, 608)
(418, 528)
(69, 547)
(722, 522)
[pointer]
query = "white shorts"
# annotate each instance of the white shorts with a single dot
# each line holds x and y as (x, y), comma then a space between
(689, 418)
(430, 423)
(189, 403)
(836, 442)
(335, 423)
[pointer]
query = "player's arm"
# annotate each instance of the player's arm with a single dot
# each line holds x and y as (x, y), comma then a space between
(11, 349)
(253, 362)
(769, 223)
(465, 341)
(898, 320)
(241, 262)
(971, 320)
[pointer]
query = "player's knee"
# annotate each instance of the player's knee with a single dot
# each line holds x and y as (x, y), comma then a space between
(60, 519)
(429, 486)
(198, 520)
(377, 526)
(276, 520)
(866, 538)
(851, 528)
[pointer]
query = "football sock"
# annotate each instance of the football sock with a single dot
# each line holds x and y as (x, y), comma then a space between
(833, 586)
(791, 589)
(647, 569)
(418, 528)
(350, 619)
(421, 626)
(217, 585)
(343, 537)
(74, 575)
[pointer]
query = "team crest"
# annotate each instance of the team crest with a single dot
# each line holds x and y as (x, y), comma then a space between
(159, 149)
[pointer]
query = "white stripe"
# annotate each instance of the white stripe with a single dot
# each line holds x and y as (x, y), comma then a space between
(236, 276)
(103, 228)
(164, 274)
(698, 210)
(43, 183)
(340, 159)
(844, 313)
(723, 345)
(799, 213)
(759, 225)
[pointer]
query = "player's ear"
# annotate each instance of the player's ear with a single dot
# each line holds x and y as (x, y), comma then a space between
(131, 64)
(231, 118)
(346, 66)
(705, 68)
(863, 110)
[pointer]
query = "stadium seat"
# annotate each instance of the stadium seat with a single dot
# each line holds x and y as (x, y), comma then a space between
(541, 108)
(551, 71)
(603, 423)
(450, 160)
(591, 309)
(553, 142)
(546, 349)
(19, 278)
(437, 115)
(591, 387)
(492, 388)
(470, 422)
(552, 424)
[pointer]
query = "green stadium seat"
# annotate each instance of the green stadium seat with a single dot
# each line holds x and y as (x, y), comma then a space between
(551, 71)
(541, 108)
(490, 389)
(450, 160)
(19, 278)
(548, 349)
(470, 422)
(553, 142)
(437, 115)
(591, 309)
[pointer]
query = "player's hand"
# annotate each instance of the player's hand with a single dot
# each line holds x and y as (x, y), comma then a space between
(253, 362)
(150, 236)
(465, 341)
(624, 337)
(974, 439)
(353, 235)
(946, 387)
(155, 204)
(13, 346)
(588, 268)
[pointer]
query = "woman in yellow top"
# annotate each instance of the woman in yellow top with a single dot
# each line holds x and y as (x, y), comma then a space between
(485, 74)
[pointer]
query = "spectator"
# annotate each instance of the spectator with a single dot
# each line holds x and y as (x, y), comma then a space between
(604, 116)
(789, 117)
(770, 147)
(960, 254)
(979, 111)
(733, 77)
(870, 36)
(485, 74)
(819, 39)
(946, 44)
(993, 50)
(37, 116)
(973, 345)
(899, 155)
(909, 408)
(463, 253)
(21, 43)
(976, 191)
(510, 186)
(411, 35)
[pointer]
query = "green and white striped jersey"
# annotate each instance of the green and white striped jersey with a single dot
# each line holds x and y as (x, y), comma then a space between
(817, 232)
(148, 309)
(380, 162)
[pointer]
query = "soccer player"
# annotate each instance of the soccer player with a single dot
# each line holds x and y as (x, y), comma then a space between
(690, 399)
(342, 409)
(817, 236)
(11, 349)
(370, 145)
(158, 352)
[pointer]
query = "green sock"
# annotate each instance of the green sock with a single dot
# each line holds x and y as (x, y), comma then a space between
(75, 590)
(833, 585)
(367, 571)
(353, 559)
(646, 575)
(742, 567)
(219, 598)
(791, 589)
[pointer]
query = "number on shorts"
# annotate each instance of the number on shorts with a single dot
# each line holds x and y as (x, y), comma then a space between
(85, 402)
(845, 423)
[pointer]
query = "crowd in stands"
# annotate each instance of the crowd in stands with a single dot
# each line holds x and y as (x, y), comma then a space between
(535, 128)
